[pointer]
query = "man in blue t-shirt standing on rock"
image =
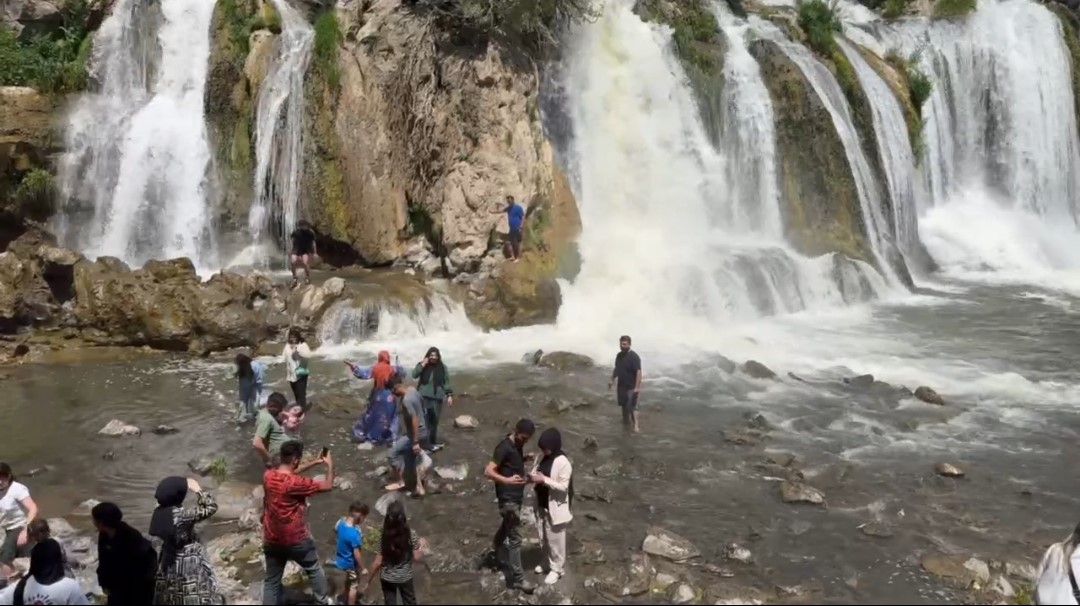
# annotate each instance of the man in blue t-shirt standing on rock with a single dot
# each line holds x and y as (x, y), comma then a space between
(515, 217)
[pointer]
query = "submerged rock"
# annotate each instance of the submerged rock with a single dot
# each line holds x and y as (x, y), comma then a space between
(880, 530)
(201, 465)
(738, 553)
(960, 570)
(565, 360)
(797, 492)
(117, 427)
(667, 544)
(591, 443)
(466, 422)
(860, 381)
(163, 430)
(235, 498)
(783, 459)
(929, 396)
(757, 370)
(948, 470)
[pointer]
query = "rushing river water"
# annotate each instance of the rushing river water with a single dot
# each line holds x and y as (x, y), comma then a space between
(1000, 356)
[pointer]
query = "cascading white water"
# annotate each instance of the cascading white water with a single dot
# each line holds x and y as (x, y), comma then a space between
(1001, 143)
(665, 243)
(832, 96)
(134, 178)
(905, 188)
(279, 127)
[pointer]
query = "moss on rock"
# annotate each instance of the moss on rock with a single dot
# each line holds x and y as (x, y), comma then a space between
(1070, 30)
(822, 213)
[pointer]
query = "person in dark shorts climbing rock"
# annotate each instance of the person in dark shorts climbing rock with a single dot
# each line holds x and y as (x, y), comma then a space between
(515, 218)
(626, 378)
(303, 250)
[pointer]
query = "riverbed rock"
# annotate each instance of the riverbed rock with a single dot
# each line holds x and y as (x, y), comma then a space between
(757, 370)
(929, 396)
(861, 381)
(309, 302)
(948, 470)
(879, 530)
(565, 360)
(164, 430)
(590, 444)
(682, 594)
(345, 481)
(453, 472)
(234, 498)
(201, 465)
(667, 544)
(1003, 587)
(959, 570)
(84, 508)
(385, 501)
(117, 427)
(738, 553)
(797, 492)
(466, 422)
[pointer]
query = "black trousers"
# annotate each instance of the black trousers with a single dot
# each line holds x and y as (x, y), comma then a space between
(390, 592)
(299, 390)
(628, 402)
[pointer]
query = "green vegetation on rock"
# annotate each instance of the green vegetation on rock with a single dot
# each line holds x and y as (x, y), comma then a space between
(268, 18)
(533, 25)
(953, 8)
(35, 195)
(694, 30)
(894, 8)
(54, 63)
(821, 23)
(327, 41)
(219, 469)
(919, 87)
(236, 22)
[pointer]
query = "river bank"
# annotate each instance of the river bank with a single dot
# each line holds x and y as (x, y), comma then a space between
(717, 448)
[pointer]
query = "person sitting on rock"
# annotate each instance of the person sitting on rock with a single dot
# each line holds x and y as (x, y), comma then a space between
(39, 531)
(1057, 580)
(46, 582)
(303, 251)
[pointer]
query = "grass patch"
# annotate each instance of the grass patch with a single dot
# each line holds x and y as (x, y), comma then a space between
(218, 469)
(54, 63)
(538, 220)
(36, 195)
(372, 538)
(919, 86)
(327, 41)
(269, 19)
(237, 25)
(945, 9)
(532, 25)
(894, 9)
(818, 19)
(1025, 594)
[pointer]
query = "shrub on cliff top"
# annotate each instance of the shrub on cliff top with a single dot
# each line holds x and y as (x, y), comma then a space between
(821, 23)
(953, 8)
(36, 195)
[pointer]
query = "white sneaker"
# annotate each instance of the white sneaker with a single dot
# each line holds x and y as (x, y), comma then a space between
(551, 578)
(539, 569)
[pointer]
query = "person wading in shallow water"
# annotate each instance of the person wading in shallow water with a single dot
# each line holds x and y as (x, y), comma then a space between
(507, 471)
(515, 218)
(626, 378)
(296, 355)
(303, 251)
(434, 387)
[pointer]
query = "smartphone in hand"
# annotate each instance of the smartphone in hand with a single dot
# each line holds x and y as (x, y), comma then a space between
(325, 451)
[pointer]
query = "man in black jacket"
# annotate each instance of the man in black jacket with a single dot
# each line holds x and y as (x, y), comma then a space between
(127, 561)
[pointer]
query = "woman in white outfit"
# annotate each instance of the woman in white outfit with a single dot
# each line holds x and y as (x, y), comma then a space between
(554, 496)
(1059, 571)
(296, 355)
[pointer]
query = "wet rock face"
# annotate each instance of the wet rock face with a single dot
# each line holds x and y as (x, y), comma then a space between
(667, 544)
(821, 207)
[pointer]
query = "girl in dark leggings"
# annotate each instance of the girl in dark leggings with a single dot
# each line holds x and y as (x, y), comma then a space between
(296, 355)
(394, 557)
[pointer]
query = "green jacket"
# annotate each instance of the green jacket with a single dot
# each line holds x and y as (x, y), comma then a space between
(428, 390)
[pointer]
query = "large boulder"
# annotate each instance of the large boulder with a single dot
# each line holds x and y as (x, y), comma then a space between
(26, 128)
(29, 17)
(25, 299)
(164, 305)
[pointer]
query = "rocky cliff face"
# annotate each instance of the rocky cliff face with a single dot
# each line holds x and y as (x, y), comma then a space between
(820, 201)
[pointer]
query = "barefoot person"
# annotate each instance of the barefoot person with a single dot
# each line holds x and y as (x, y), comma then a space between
(17, 510)
(250, 375)
(515, 219)
(412, 439)
(303, 251)
(507, 470)
(626, 378)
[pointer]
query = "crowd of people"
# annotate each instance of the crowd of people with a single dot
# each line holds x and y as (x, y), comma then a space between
(173, 567)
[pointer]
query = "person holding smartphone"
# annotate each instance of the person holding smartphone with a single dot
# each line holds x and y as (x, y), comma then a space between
(507, 471)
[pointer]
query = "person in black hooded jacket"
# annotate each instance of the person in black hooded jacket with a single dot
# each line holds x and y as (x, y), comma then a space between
(433, 383)
(126, 559)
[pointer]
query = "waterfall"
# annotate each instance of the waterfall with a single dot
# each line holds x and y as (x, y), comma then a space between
(1001, 142)
(394, 321)
(832, 96)
(279, 126)
(905, 188)
(134, 177)
(676, 241)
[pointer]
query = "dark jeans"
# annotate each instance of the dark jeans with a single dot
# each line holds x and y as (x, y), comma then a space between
(390, 592)
(510, 532)
(628, 403)
(304, 554)
(432, 411)
(299, 390)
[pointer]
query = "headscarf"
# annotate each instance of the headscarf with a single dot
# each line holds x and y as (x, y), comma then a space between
(46, 566)
(433, 374)
(550, 440)
(170, 494)
(382, 371)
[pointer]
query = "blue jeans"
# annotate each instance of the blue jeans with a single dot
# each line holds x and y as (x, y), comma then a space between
(305, 554)
(402, 456)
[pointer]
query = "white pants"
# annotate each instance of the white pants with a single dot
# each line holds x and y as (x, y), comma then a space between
(553, 538)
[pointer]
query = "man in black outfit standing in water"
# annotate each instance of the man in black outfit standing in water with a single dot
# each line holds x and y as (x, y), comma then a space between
(303, 250)
(507, 470)
(626, 378)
